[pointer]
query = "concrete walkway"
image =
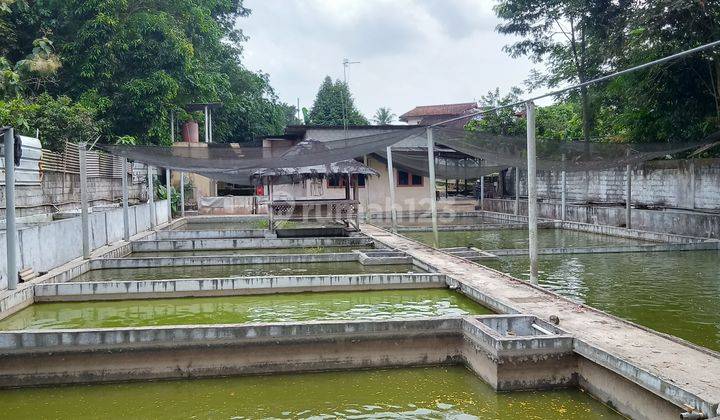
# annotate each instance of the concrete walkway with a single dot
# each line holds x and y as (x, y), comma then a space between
(679, 372)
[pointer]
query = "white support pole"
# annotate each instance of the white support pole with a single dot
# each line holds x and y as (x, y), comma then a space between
(563, 189)
(151, 197)
(517, 191)
(210, 130)
(391, 181)
(207, 132)
(482, 193)
(84, 217)
(125, 204)
(172, 126)
(11, 236)
(532, 193)
(431, 173)
(628, 194)
(168, 188)
(367, 192)
(182, 194)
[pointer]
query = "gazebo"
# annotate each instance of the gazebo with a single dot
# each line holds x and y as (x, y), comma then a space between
(345, 211)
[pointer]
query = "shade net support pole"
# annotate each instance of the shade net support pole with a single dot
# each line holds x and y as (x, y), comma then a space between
(11, 235)
(84, 217)
(391, 182)
(431, 187)
(532, 193)
(125, 204)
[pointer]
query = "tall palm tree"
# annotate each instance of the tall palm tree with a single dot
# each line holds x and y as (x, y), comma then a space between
(383, 116)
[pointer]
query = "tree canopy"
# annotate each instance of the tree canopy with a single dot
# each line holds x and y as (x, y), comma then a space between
(384, 116)
(132, 61)
(580, 40)
(334, 105)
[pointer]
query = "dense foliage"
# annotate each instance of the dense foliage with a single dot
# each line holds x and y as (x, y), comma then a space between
(580, 40)
(129, 62)
(334, 105)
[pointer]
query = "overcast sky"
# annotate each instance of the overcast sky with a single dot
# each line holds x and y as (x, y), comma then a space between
(411, 52)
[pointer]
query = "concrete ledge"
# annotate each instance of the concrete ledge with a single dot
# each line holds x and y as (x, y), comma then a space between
(698, 246)
(518, 352)
(629, 233)
(454, 228)
(100, 263)
(165, 235)
(245, 243)
(653, 383)
(117, 290)
(86, 356)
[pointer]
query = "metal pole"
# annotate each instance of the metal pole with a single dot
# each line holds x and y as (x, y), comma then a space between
(532, 193)
(517, 191)
(210, 131)
(367, 193)
(563, 189)
(207, 134)
(84, 218)
(172, 126)
(10, 229)
(482, 193)
(431, 173)
(628, 187)
(168, 189)
(182, 194)
(125, 205)
(391, 181)
(151, 197)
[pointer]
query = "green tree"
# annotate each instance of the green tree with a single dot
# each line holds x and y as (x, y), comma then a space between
(674, 102)
(503, 121)
(334, 105)
(58, 120)
(383, 116)
(145, 57)
(572, 37)
(560, 121)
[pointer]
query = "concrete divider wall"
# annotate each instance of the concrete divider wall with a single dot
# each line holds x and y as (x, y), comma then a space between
(159, 289)
(49, 245)
(689, 184)
(101, 263)
(245, 243)
(677, 222)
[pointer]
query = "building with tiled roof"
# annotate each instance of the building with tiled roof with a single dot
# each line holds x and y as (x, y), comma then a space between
(431, 114)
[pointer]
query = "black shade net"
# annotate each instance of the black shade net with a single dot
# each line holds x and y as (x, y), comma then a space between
(554, 155)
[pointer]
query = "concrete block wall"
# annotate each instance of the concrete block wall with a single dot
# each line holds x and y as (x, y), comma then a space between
(689, 184)
(60, 191)
(680, 222)
(49, 245)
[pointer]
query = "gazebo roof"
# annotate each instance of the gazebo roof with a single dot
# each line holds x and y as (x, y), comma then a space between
(344, 167)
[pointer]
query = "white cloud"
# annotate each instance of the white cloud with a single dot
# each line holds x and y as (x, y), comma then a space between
(411, 52)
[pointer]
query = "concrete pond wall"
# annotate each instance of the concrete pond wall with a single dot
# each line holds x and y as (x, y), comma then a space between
(687, 184)
(46, 246)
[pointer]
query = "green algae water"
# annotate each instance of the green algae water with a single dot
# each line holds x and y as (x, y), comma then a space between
(414, 393)
(442, 221)
(251, 251)
(245, 270)
(671, 292)
(518, 238)
(368, 305)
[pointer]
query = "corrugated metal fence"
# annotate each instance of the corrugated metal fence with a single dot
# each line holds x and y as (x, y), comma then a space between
(36, 161)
